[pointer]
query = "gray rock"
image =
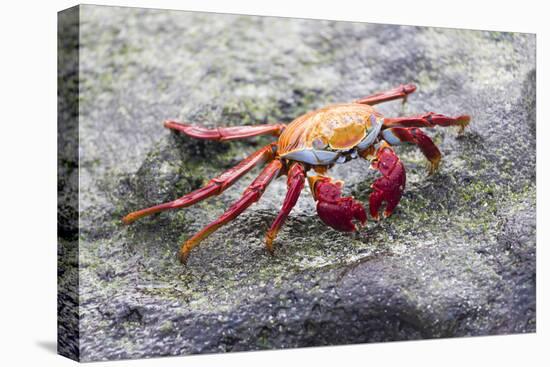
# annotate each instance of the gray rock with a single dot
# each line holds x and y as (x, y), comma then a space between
(457, 258)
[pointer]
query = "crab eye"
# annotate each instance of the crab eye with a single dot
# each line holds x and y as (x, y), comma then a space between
(319, 143)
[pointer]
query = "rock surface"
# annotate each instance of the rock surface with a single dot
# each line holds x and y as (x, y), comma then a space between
(456, 259)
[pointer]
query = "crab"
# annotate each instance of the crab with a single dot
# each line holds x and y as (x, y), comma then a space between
(316, 141)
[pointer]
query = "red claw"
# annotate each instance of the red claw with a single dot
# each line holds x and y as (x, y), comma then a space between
(390, 186)
(336, 211)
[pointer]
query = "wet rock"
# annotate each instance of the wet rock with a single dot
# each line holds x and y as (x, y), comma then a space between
(457, 258)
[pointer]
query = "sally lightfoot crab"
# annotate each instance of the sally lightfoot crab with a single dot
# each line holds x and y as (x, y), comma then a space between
(317, 141)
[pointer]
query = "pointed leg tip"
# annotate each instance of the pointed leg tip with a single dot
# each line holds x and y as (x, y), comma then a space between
(182, 257)
(183, 254)
(269, 248)
(173, 124)
(128, 219)
(432, 168)
(463, 121)
(409, 88)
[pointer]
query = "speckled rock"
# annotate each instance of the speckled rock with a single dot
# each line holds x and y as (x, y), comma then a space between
(456, 259)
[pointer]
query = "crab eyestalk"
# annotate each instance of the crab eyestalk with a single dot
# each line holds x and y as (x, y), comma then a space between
(341, 213)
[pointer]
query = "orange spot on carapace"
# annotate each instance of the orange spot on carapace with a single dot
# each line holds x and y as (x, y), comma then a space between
(347, 136)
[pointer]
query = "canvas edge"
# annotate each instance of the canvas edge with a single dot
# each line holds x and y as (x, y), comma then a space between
(68, 41)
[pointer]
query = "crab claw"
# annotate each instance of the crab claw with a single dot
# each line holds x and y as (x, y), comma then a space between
(336, 211)
(390, 186)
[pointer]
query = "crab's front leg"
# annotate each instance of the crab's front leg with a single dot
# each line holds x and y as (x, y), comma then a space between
(390, 186)
(340, 213)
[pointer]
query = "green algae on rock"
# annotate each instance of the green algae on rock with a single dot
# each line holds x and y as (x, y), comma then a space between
(457, 258)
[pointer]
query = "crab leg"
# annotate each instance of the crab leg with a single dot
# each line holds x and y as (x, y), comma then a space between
(390, 186)
(225, 133)
(414, 135)
(215, 187)
(401, 91)
(430, 119)
(250, 196)
(295, 184)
